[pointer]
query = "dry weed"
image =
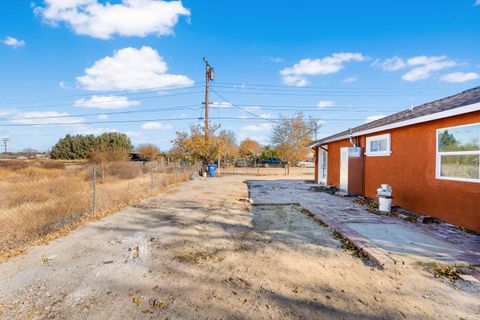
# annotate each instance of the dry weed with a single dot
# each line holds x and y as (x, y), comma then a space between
(39, 200)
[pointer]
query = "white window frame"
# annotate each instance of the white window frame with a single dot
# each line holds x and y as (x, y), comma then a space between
(438, 168)
(371, 153)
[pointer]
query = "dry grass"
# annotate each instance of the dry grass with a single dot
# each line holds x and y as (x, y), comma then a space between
(39, 198)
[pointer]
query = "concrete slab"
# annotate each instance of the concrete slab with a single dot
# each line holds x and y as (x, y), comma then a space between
(400, 240)
(387, 240)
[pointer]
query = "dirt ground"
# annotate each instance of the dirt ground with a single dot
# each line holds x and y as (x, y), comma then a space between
(200, 252)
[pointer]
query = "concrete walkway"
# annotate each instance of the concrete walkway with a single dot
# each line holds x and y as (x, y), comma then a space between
(387, 240)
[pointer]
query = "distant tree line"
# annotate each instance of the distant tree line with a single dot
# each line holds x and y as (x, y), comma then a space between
(110, 144)
(288, 141)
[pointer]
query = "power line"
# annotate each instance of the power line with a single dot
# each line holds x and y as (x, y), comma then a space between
(106, 113)
(314, 108)
(120, 92)
(196, 107)
(317, 94)
(242, 85)
(240, 108)
(264, 87)
(233, 85)
(107, 101)
(163, 119)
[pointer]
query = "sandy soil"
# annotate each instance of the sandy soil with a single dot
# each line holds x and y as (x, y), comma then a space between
(200, 252)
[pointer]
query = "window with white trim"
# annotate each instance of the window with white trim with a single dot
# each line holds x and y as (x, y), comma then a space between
(458, 153)
(379, 145)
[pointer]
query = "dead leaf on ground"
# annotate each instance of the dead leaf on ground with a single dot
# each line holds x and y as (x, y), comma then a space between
(157, 303)
(136, 252)
(237, 281)
(451, 273)
(137, 301)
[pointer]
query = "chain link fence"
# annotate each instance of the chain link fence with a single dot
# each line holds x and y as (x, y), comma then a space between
(243, 166)
(41, 197)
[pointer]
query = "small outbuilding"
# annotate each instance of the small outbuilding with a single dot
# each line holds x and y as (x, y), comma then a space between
(429, 155)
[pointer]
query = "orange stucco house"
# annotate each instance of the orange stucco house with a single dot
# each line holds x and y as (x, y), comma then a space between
(429, 154)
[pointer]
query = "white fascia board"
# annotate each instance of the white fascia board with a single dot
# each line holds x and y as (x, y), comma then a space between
(434, 116)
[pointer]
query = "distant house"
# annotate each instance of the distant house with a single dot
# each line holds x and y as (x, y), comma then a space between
(429, 154)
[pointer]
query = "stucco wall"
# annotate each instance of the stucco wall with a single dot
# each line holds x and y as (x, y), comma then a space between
(410, 170)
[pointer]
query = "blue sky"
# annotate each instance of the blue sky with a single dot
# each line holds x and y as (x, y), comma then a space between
(81, 62)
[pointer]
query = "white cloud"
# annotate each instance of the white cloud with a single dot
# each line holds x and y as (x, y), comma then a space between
(256, 110)
(424, 66)
(262, 139)
(106, 102)
(13, 42)
(7, 112)
(131, 69)
(325, 104)
(103, 20)
(266, 115)
(296, 75)
(253, 109)
(350, 79)
(275, 59)
(220, 104)
(261, 127)
(64, 86)
(390, 64)
(44, 117)
(373, 118)
(460, 76)
(84, 129)
(155, 126)
(103, 117)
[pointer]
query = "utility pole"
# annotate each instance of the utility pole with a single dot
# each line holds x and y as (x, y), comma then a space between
(208, 77)
(316, 129)
(5, 142)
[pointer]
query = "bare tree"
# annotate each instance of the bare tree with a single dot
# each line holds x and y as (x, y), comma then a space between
(291, 136)
(228, 145)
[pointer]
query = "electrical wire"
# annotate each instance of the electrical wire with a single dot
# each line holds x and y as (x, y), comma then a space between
(163, 119)
(106, 113)
(119, 92)
(245, 85)
(107, 101)
(315, 108)
(317, 94)
(231, 85)
(240, 108)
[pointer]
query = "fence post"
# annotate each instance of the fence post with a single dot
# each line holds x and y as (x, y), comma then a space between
(94, 192)
(152, 178)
